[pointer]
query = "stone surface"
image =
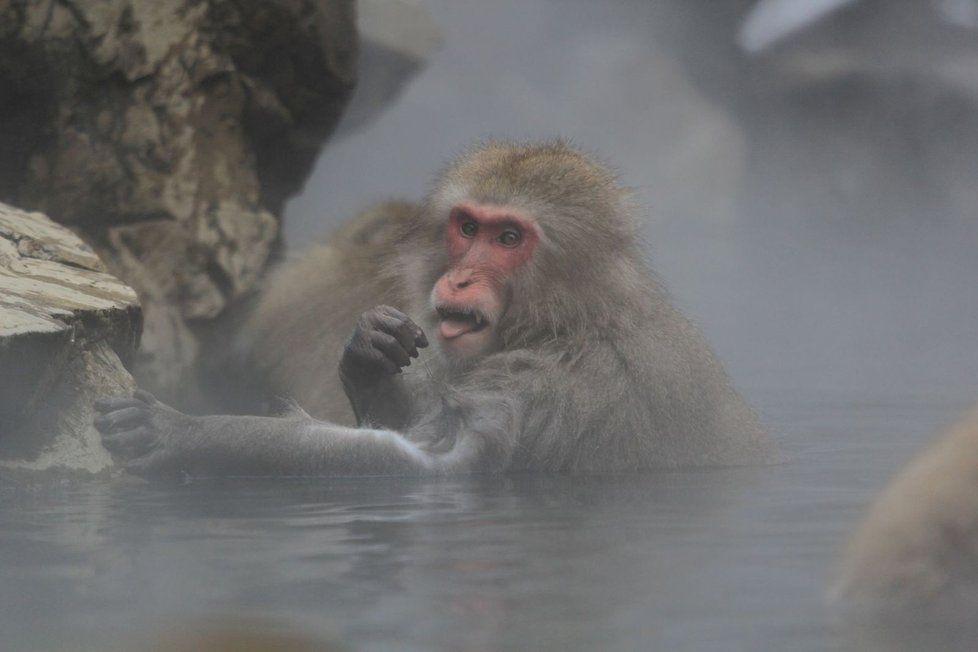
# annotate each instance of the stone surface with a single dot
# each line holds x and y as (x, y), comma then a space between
(169, 134)
(66, 328)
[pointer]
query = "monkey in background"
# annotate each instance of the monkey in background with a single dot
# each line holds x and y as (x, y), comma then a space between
(554, 349)
(915, 555)
(288, 344)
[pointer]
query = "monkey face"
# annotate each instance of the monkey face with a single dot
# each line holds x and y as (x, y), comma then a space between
(486, 244)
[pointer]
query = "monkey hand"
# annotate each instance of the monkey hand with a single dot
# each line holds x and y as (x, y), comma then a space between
(143, 431)
(383, 341)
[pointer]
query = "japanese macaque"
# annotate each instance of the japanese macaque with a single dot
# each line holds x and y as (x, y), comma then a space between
(532, 336)
(916, 553)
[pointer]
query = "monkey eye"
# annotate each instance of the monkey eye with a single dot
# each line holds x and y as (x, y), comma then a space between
(468, 228)
(510, 238)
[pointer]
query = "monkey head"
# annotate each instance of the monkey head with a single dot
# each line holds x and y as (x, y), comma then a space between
(509, 237)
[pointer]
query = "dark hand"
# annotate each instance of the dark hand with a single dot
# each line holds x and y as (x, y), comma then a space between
(143, 431)
(384, 341)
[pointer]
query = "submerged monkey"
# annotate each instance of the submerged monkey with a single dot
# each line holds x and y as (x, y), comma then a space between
(288, 343)
(914, 558)
(552, 347)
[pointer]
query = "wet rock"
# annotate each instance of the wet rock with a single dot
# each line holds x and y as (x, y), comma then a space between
(67, 327)
(169, 134)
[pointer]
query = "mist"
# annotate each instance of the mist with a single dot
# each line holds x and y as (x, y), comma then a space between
(812, 205)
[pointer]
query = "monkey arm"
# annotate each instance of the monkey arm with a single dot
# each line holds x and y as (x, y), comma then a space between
(294, 445)
(386, 403)
(158, 441)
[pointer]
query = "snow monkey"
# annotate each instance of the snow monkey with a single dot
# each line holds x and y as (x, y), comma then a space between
(532, 335)
(914, 558)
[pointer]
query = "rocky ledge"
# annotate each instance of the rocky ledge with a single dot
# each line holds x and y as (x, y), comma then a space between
(68, 329)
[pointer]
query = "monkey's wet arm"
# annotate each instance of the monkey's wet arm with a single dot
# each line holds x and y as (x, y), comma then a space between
(157, 441)
(383, 341)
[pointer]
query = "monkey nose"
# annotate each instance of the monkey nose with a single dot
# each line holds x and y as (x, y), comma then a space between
(461, 280)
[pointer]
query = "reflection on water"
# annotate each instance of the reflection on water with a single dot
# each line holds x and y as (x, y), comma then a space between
(214, 635)
(710, 560)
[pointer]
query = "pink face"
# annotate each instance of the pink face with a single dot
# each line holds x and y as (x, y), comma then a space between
(486, 244)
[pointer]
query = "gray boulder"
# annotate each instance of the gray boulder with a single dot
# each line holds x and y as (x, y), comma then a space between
(169, 134)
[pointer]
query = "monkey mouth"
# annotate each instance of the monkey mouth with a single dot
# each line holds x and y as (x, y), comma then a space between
(455, 321)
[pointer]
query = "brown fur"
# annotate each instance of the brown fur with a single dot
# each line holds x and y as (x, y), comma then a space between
(916, 551)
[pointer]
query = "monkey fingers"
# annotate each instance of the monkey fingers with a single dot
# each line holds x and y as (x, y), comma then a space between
(106, 405)
(394, 322)
(124, 425)
(127, 415)
(383, 342)
(391, 349)
(144, 396)
(140, 399)
(132, 443)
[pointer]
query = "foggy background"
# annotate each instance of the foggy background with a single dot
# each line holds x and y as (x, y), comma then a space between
(811, 203)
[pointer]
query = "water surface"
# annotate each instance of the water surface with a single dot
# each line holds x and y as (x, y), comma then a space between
(735, 559)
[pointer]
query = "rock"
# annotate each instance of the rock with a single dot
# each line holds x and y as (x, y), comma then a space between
(67, 327)
(169, 134)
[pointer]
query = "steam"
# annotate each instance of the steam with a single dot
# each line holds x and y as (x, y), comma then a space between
(770, 21)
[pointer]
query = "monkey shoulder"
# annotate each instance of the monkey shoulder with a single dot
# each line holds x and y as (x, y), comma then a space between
(919, 537)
